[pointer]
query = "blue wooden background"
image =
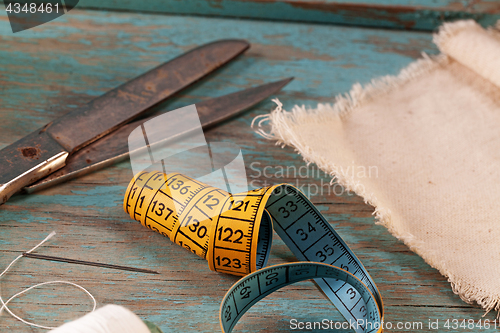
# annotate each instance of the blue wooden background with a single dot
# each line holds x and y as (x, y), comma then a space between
(51, 69)
(403, 14)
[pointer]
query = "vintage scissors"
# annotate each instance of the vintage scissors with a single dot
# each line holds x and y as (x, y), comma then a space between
(95, 135)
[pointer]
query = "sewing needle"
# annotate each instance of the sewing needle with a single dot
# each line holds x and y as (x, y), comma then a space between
(88, 263)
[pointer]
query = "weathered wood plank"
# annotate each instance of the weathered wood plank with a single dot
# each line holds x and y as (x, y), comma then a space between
(401, 14)
(53, 68)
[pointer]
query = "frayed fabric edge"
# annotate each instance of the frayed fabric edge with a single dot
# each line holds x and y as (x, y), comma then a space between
(345, 103)
(282, 124)
(451, 29)
(471, 294)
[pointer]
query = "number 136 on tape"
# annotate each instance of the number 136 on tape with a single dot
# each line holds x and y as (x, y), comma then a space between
(234, 233)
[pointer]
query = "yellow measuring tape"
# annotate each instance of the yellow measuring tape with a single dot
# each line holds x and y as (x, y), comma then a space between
(234, 233)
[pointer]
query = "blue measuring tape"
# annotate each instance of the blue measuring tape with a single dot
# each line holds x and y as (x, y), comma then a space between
(326, 259)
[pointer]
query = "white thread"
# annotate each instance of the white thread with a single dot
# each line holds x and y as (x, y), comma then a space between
(4, 304)
(108, 319)
(264, 118)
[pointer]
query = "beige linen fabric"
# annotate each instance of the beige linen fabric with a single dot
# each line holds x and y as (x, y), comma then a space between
(433, 135)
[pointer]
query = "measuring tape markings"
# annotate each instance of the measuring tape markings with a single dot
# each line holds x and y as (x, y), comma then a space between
(135, 202)
(234, 233)
(160, 203)
(261, 283)
(138, 184)
(237, 242)
(345, 259)
(191, 229)
(196, 224)
(317, 241)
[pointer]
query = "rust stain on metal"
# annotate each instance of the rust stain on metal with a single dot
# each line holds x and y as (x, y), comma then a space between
(45, 128)
(163, 74)
(151, 87)
(131, 97)
(30, 152)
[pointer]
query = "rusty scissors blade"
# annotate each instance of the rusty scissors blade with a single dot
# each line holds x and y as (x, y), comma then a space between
(46, 150)
(114, 147)
(96, 135)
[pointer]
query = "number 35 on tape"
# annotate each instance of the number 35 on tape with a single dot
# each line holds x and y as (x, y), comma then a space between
(233, 232)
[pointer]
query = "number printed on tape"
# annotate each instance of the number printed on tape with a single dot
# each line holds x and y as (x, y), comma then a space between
(234, 233)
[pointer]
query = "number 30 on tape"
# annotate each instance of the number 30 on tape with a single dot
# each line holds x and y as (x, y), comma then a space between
(234, 233)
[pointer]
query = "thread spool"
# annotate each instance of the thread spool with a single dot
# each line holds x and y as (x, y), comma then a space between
(108, 319)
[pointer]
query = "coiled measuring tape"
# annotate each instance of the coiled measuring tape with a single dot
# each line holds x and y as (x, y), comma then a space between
(234, 233)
